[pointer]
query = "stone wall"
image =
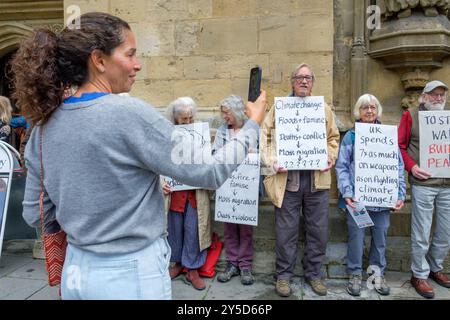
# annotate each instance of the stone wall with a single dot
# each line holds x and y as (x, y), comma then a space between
(205, 48)
(343, 39)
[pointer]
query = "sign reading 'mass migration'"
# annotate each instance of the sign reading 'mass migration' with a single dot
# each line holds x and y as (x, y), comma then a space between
(301, 137)
(237, 198)
(435, 143)
(376, 165)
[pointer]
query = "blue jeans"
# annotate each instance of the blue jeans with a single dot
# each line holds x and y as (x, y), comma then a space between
(141, 275)
(355, 249)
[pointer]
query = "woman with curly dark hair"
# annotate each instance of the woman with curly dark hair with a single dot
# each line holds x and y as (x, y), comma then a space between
(101, 176)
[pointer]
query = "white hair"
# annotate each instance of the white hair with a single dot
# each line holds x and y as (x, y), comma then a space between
(236, 106)
(429, 106)
(366, 99)
(181, 104)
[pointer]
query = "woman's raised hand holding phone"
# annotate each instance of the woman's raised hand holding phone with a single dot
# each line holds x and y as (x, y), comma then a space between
(257, 110)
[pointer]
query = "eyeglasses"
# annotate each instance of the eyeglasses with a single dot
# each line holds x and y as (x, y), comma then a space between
(438, 95)
(299, 79)
(367, 108)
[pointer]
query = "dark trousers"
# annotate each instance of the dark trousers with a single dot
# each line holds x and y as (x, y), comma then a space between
(239, 244)
(183, 238)
(287, 219)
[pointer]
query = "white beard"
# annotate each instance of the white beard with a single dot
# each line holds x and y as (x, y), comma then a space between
(434, 107)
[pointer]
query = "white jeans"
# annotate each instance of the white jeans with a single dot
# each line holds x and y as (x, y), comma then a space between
(425, 257)
(141, 275)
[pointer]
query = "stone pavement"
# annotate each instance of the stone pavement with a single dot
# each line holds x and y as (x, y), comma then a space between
(24, 278)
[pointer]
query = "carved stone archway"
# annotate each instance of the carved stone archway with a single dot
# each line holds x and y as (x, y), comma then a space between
(11, 34)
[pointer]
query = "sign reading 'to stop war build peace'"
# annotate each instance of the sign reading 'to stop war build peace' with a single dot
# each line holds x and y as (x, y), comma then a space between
(435, 143)
(301, 136)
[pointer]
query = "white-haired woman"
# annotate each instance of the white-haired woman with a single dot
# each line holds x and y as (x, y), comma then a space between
(238, 237)
(367, 110)
(188, 216)
(5, 118)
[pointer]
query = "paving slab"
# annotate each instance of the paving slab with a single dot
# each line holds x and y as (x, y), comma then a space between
(262, 289)
(270, 292)
(407, 292)
(19, 289)
(235, 290)
(46, 293)
(33, 270)
(10, 263)
(439, 291)
(337, 291)
(22, 277)
(182, 290)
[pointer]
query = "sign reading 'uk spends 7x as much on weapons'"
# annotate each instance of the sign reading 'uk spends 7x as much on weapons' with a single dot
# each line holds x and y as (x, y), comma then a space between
(300, 129)
(237, 198)
(376, 165)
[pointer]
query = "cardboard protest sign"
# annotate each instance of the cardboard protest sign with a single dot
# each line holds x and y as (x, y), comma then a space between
(176, 185)
(237, 198)
(197, 136)
(435, 143)
(6, 172)
(301, 136)
(376, 165)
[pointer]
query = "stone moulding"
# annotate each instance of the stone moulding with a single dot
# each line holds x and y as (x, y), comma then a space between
(412, 46)
(391, 9)
(11, 10)
(412, 42)
(10, 36)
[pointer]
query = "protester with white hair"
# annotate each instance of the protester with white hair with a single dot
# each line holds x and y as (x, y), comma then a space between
(238, 237)
(367, 110)
(188, 218)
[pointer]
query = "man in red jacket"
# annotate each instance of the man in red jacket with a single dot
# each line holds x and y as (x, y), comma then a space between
(428, 195)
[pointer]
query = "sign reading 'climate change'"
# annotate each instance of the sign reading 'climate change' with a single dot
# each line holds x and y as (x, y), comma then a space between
(301, 136)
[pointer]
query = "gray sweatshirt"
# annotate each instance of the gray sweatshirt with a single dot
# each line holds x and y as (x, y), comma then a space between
(102, 160)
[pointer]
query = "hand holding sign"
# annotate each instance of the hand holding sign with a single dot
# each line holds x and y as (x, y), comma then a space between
(329, 165)
(419, 173)
(399, 205)
(278, 169)
(166, 189)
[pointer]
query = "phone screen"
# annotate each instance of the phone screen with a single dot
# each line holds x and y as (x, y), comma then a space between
(254, 87)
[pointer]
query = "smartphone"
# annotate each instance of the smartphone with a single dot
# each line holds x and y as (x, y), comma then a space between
(254, 87)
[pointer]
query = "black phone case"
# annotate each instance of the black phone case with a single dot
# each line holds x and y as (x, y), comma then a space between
(254, 88)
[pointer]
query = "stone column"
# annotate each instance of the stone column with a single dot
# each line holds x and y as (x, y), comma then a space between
(359, 53)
